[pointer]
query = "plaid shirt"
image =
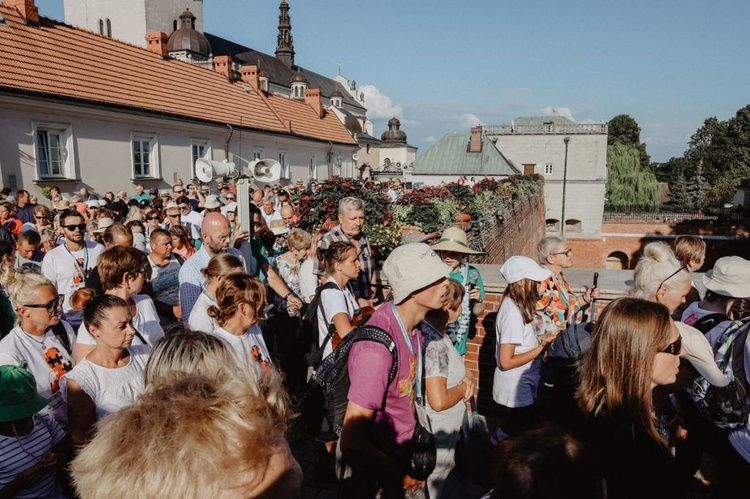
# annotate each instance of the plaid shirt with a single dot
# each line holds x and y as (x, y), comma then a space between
(361, 287)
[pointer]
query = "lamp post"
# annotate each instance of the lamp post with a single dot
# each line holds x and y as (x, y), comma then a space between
(565, 180)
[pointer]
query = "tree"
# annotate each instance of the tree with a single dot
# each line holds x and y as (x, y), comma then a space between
(630, 185)
(624, 129)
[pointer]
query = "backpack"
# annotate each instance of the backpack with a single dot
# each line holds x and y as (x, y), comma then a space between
(326, 395)
(310, 335)
(726, 406)
(708, 322)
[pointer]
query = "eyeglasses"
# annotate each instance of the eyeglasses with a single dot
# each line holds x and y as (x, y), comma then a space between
(51, 306)
(71, 228)
(670, 276)
(230, 199)
(674, 348)
(567, 252)
(42, 218)
(152, 218)
(184, 207)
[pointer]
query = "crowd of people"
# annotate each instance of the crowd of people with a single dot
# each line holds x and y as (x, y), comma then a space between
(156, 334)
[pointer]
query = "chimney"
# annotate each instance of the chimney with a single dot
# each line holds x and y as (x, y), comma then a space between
(475, 142)
(156, 42)
(314, 100)
(26, 8)
(223, 65)
(249, 74)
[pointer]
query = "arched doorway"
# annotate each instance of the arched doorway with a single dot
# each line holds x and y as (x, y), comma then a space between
(617, 260)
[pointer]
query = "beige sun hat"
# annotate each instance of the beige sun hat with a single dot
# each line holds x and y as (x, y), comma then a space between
(102, 224)
(454, 239)
(730, 276)
(278, 227)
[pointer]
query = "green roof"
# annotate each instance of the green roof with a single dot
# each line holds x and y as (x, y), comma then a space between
(449, 157)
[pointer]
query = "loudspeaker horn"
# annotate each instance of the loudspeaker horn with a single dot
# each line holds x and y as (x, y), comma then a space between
(355, 156)
(265, 170)
(206, 170)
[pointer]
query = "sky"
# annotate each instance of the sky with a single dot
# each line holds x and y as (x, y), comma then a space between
(444, 66)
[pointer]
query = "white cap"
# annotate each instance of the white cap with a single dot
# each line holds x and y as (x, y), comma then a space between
(516, 268)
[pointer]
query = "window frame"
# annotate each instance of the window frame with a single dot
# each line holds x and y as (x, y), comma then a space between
(66, 151)
(286, 170)
(207, 152)
(549, 169)
(154, 166)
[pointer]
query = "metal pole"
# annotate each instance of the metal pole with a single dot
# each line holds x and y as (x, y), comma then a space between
(565, 179)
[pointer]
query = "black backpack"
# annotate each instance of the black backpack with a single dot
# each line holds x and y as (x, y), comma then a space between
(726, 406)
(327, 391)
(708, 322)
(310, 334)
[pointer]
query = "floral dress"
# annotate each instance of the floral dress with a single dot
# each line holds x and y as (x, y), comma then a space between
(290, 274)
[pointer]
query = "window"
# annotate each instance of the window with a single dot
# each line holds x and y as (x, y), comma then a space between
(312, 171)
(285, 173)
(109, 28)
(145, 156)
(101, 27)
(528, 168)
(257, 154)
(54, 147)
(200, 148)
(548, 169)
(573, 225)
(552, 225)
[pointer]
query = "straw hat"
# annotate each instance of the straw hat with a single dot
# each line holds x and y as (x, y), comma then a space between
(454, 239)
(278, 227)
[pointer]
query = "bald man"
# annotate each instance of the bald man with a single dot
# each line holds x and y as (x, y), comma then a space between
(258, 197)
(215, 234)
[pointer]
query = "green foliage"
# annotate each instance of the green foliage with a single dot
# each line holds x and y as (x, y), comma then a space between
(629, 185)
(47, 193)
(623, 128)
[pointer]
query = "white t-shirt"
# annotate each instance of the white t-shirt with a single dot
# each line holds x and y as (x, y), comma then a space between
(195, 220)
(697, 350)
(145, 321)
(111, 389)
(64, 269)
(515, 387)
(22, 453)
(333, 302)
(199, 319)
(46, 359)
(250, 346)
(269, 218)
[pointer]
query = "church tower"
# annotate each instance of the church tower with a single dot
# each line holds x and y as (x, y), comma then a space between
(130, 21)
(284, 42)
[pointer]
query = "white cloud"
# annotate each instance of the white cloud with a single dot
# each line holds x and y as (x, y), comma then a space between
(379, 105)
(410, 122)
(469, 120)
(558, 111)
(430, 139)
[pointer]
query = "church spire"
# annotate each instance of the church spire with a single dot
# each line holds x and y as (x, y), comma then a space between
(284, 42)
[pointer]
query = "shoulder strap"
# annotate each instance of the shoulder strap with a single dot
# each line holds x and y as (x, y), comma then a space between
(738, 355)
(62, 336)
(179, 258)
(708, 322)
(373, 333)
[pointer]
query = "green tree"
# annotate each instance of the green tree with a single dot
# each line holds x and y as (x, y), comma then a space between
(629, 184)
(624, 129)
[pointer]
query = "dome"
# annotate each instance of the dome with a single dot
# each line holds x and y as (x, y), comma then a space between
(188, 38)
(394, 134)
(299, 77)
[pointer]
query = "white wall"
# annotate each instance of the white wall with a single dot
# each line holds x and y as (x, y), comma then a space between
(102, 147)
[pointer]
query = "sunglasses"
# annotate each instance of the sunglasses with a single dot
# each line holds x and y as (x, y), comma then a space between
(42, 218)
(674, 348)
(51, 306)
(176, 215)
(684, 267)
(71, 228)
(152, 218)
(230, 199)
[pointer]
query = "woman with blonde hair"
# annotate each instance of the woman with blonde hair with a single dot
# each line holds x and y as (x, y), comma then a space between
(218, 267)
(635, 347)
(240, 300)
(122, 270)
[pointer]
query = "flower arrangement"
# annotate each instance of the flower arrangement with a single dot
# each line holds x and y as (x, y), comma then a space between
(424, 211)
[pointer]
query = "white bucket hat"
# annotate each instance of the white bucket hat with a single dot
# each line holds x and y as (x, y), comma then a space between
(411, 267)
(729, 277)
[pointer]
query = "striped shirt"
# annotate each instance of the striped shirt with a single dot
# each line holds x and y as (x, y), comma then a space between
(23, 453)
(361, 287)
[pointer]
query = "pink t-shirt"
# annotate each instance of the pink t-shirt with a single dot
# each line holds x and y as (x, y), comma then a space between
(369, 365)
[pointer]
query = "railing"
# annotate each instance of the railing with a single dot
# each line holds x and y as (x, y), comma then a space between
(547, 129)
(658, 218)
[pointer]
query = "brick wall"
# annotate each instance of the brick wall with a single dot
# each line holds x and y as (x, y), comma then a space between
(516, 234)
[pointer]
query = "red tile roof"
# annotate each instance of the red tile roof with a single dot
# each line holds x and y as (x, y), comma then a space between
(61, 61)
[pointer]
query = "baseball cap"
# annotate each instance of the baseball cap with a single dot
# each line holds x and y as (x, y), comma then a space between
(154, 190)
(411, 267)
(18, 396)
(519, 267)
